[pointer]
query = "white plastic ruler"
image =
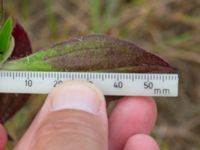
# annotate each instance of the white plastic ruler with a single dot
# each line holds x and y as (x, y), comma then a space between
(119, 84)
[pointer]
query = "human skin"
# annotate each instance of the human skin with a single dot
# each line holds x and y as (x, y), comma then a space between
(74, 117)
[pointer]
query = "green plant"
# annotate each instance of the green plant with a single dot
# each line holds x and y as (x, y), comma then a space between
(102, 15)
(6, 42)
(51, 18)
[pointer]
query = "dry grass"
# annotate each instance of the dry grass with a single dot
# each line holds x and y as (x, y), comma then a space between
(169, 28)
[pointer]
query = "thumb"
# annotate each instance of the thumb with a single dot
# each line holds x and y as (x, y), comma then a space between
(73, 117)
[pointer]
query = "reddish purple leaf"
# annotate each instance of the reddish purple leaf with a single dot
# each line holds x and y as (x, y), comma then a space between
(22, 43)
(93, 53)
(98, 53)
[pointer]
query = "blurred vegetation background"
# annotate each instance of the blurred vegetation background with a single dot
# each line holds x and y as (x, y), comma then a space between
(169, 28)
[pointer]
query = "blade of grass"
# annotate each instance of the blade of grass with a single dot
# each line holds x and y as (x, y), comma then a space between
(95, 14)
(108, 15)
(51, 18)
(25, 8)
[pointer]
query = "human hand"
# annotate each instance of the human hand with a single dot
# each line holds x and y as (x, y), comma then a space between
(74, 117)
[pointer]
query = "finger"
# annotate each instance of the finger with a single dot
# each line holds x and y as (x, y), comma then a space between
(3, 137)
(141, 142)
(131, 115)
(73, 117)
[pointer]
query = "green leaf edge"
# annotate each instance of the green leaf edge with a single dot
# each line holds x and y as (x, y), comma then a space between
(5, 35)
(6, 55)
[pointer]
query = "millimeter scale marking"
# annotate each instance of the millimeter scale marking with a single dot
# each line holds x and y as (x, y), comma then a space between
(116, 84)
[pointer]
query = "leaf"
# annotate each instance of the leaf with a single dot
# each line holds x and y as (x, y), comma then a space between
(4, 56)
(22, 43)
(5, 36)
(92, 53)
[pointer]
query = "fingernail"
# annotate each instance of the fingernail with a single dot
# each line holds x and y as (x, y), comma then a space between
(78, 96)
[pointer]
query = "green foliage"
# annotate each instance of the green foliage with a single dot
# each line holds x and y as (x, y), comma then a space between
(102, 15)
(5, 35)
(95, 12)
(108, 17)
(51, 17)
(6, 41)
(7, 54)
